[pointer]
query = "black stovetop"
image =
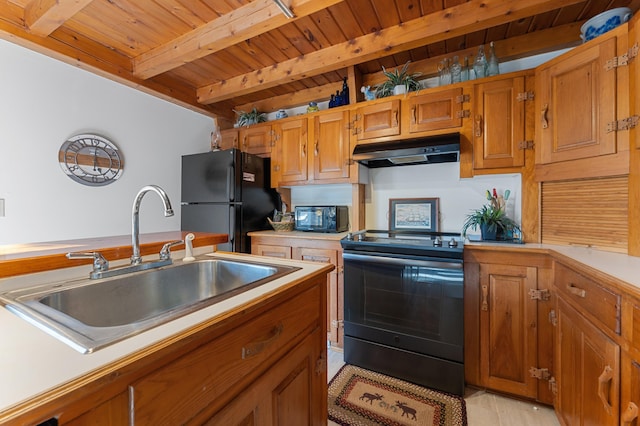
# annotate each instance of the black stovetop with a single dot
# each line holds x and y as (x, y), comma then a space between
(436, 244)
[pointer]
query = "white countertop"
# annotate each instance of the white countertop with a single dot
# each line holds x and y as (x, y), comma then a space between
(32, 362)
(618, 265)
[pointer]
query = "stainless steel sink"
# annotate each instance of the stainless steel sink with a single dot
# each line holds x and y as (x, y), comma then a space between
(90, 314)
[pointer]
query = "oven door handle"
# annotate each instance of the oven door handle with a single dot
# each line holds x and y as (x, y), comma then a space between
(402, 261)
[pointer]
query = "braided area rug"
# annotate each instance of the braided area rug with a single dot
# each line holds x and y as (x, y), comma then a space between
(361, 397)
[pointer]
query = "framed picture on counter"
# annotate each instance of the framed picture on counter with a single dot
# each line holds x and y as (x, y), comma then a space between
(413, 214)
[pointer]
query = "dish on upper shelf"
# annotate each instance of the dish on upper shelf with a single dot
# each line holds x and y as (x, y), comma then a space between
(604, 22)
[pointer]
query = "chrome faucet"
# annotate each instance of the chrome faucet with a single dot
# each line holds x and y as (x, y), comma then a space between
(136, 259)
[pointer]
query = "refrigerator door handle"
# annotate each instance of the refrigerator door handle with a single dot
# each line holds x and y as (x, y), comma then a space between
(232, 224)
(231, 183)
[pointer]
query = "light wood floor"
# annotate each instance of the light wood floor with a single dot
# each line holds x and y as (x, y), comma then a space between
(483, 408)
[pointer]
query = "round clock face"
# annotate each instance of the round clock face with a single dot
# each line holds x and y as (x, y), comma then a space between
(91, 160)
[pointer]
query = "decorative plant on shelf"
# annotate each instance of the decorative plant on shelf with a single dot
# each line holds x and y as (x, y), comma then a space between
(492, 220)
(398, 78)
(252, 117)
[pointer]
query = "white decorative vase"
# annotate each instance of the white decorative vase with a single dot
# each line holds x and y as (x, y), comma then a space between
(399, 89)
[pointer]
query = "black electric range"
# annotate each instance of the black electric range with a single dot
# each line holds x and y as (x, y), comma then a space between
(433, 244)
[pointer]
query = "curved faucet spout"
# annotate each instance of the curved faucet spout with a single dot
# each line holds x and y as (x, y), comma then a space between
(136, 259)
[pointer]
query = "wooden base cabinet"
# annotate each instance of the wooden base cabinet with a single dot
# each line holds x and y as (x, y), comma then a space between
(263, 364)
(314, 250)
(507, 334)
(587, 371)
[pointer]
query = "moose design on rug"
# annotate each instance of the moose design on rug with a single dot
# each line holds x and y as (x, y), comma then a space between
(371, 397)
(406, 410)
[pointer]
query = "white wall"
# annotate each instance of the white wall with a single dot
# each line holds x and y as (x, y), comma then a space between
(42, 103)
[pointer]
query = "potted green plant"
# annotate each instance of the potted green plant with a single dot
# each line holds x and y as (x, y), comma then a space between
(491, 219)
(398, 82)
(252, 117)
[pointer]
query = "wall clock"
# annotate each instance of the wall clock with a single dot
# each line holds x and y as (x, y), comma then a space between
(91, 160)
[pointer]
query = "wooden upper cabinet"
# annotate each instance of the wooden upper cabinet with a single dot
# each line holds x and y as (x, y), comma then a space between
(256, 139)
(289, 162)
(229, 139)
(499, 124)
(576, 102)
(330, 149)
(440, 109)
(377, 120)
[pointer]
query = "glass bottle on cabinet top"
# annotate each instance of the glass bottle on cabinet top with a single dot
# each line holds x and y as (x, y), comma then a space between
(492, 64)
(480, 64)
(456, 70)
(464, 71)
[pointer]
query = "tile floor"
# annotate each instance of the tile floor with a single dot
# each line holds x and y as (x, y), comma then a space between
(483, 408)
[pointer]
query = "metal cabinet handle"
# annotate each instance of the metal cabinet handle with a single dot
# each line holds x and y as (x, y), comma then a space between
(485, 296)
(478, 125)
(604, 386)
(256, 347)
(629, 415)
(580, 292)
(545, 121)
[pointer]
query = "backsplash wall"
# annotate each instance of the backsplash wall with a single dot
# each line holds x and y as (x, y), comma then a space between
(457, 197)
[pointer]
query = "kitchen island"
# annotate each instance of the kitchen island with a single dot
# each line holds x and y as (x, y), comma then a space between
(226, 362)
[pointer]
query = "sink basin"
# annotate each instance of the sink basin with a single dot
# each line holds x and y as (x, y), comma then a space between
(90, 314)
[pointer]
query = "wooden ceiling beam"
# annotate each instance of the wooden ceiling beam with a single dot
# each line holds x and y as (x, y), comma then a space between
(250, 20)
(535, 43)
(451, 22)
(42, 17)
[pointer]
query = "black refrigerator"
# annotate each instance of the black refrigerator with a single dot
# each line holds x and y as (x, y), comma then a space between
(227, 192)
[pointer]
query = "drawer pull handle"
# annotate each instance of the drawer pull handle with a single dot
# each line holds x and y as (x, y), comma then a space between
(604, 386)
(414, 119)
(255, 348)
(630, 414)
(478, 123)
(543, 118)
(485, 295)
(395, 118)
(576, 290)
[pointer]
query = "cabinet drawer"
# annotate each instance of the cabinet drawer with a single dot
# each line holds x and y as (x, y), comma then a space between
(282, 252)
(602, 303)
(207, 377)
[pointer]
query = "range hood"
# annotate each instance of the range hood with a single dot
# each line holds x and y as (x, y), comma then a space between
(428, 150)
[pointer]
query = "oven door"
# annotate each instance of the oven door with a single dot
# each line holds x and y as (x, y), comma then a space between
(407, 302)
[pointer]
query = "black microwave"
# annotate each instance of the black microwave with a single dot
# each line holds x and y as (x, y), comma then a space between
(322, 218)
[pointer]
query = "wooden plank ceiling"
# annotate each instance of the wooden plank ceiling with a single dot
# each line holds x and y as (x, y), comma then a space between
(218, 55)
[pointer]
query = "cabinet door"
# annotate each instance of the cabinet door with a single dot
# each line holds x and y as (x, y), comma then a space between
(229, 139)
(378, 120)
(334, 296)
(498, 124)
(256, 139)
(508, 328)
(331, 145)
(587, 371)
(576, 99)
(630, 393)
(281, 252)
(285, 395)
(289, 157)
(437, 110)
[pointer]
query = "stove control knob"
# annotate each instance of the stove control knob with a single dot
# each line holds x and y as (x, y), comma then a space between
(350, 236)
(453, 243)
(359, 237)
(437, 242)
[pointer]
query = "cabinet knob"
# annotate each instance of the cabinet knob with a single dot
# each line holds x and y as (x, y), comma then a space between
(604, 385)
